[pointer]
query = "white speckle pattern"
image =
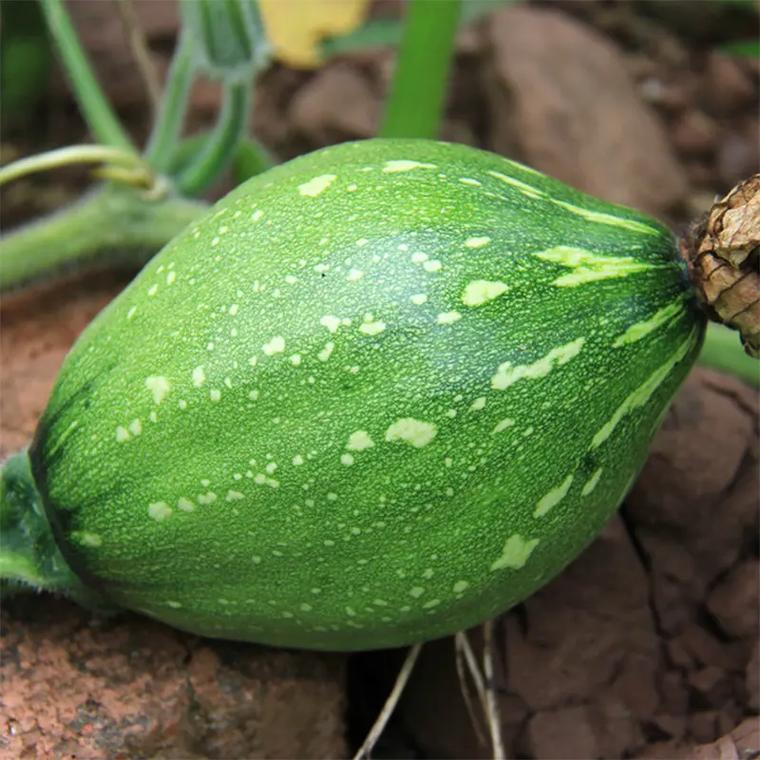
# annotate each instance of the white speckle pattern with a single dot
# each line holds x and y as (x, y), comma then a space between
(479, 292)
(159, 386)
(448, 317)
(199, 377)
(402, 165)
(477, 242)
(414, 432)
(159, 511)
(370, 327)
(326, 352)
(317, 186)
(418, 299)
(275, 346)
(359, 441)
(503, 425)
(330, 322)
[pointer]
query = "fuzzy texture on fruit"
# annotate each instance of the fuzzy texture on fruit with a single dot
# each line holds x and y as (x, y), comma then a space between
(376, 395)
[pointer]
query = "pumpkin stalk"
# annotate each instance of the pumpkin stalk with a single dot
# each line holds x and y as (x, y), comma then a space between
(29, 556)
(722, 253)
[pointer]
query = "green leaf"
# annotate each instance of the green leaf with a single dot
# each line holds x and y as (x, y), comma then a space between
(742, 48)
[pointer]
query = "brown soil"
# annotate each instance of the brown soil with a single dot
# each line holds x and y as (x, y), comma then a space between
(647, 646)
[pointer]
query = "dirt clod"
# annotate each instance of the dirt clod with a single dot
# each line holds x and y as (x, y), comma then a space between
(548, 100)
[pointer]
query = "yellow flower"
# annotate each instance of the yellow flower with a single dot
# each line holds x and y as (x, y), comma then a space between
(296, 27)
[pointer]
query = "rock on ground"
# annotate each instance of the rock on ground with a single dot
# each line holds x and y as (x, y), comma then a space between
(561, 98)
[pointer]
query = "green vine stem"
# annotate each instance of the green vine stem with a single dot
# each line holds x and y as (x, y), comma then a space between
(77, 154)
(222, 143)
(29, 556)
(168, 126)
(96, 110)
(722, 351)
(112, 222)
(418, 89)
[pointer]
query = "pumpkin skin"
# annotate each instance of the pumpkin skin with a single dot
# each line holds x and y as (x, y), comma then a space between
(376, 395)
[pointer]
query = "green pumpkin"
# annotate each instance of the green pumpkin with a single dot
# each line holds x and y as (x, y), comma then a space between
(376, 395)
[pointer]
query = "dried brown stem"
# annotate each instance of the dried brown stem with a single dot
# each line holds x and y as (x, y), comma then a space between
(723, 256)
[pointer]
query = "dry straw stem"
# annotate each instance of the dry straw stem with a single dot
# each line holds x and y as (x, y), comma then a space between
(465, 656)
(492, 706)
(390, 704)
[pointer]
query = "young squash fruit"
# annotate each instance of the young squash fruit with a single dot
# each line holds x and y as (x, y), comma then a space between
(376, 395)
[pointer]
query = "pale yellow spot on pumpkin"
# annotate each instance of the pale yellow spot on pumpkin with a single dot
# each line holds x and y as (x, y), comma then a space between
(553, 497)
(370, 327)
(402, 165)
(135, 427)
(359, 441)
(331, 322)
(507, 374)
(503, 425)
(479, 292)
(159, 386)
(159, 511)
(515, 553)
(448, 317)
(275, 346)
(591, 483)
(477, 242)
(414, 432)
(326, 352)
(316, 186)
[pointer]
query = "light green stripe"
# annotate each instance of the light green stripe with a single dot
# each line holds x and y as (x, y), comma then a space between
(590, 484)
(553, 498)
(599, 217)
(523, 187)
(644, 392)
(641, 329)
(588, 266)
(508, 374)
